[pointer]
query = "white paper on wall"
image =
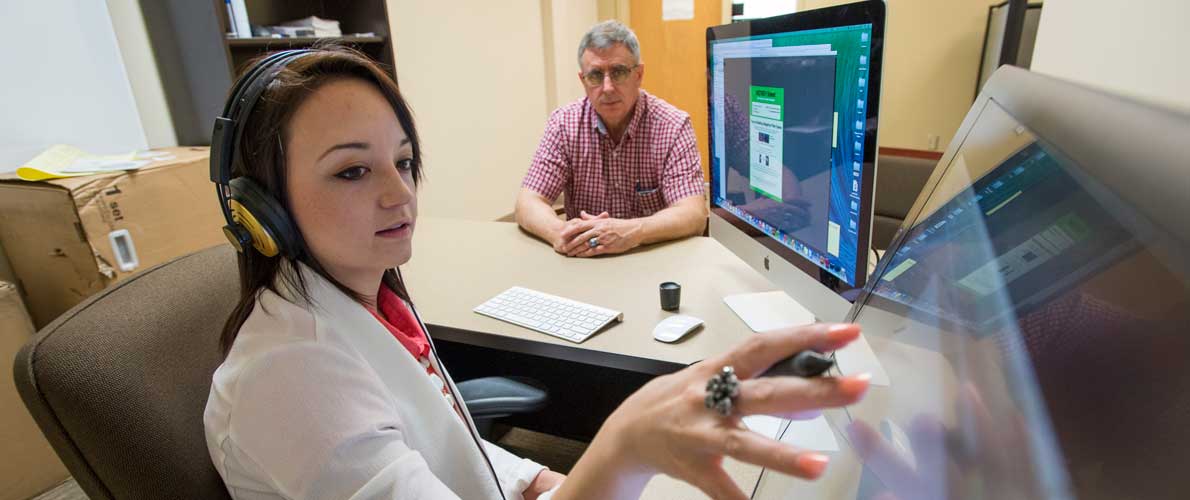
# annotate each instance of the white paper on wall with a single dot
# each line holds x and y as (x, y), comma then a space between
(677, 10)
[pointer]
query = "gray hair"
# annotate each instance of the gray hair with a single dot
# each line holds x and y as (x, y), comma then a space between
(606, 34)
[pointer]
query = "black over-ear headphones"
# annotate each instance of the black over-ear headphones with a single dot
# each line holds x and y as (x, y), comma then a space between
(254, 217)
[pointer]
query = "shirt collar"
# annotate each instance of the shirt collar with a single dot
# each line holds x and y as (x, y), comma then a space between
(637, 112)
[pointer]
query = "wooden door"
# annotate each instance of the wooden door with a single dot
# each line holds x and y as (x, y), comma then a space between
(675, 58)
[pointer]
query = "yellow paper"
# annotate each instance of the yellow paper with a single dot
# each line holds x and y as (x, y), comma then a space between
(68, 161)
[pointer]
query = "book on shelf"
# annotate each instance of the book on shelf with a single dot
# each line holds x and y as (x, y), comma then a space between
(237, 17)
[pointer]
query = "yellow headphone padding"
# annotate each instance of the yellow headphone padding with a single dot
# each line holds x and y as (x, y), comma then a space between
(261, 239)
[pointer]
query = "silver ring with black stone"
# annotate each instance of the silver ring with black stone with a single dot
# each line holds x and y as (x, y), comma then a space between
(722, 391)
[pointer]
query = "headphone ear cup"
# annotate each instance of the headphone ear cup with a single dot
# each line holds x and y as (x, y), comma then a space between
(238, 235)
(263, 217)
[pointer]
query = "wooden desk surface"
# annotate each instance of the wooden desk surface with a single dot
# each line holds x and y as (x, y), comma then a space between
(459, 264)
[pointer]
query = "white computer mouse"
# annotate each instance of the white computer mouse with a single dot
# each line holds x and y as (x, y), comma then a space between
(673, 328)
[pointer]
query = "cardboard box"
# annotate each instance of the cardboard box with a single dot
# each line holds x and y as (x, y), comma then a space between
(6, 268)
(69, 238)
(28, 466)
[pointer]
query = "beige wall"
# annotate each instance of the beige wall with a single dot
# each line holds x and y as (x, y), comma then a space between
(931, 58)
(147, 91)
(474, 74)
(565, 21)
(1137, 49)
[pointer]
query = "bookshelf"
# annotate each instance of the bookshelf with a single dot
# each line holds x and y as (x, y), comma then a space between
(354, 16)
(198, 61)
(301, 41)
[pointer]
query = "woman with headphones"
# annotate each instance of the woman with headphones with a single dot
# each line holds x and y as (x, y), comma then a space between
(330, 387)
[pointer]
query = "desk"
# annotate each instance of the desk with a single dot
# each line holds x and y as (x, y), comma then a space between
(459, 264)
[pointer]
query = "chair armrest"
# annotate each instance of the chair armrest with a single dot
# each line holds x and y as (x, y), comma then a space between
(491, 397)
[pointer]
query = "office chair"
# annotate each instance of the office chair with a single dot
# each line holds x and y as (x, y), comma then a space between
(118, 384)
(899, 179)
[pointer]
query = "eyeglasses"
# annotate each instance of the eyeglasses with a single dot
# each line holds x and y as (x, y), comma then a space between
(594, 78)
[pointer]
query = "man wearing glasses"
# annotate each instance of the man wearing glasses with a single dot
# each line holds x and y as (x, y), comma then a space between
(626, 160)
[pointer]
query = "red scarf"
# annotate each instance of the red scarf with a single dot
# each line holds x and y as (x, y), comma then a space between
(399, 320)
(402, 324)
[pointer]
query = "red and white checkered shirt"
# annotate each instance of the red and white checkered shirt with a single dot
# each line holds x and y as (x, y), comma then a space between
(655, 164)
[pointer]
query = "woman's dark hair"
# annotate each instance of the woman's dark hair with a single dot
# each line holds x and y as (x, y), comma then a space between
(260, 156)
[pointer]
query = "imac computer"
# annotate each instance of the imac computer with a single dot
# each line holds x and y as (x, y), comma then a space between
(1030, 315)
(793, 103)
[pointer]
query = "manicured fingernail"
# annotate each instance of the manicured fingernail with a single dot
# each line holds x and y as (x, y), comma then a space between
(855, 384)
(813, 463)
(842, 331)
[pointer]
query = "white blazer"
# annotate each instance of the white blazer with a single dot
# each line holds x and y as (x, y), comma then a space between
(321, 402)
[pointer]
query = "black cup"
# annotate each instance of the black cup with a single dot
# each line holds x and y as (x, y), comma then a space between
(671, 296)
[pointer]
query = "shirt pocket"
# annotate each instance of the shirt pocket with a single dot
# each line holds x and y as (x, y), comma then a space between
(648, 199)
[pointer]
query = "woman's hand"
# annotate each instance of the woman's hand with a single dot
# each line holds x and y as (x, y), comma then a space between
(665, 427)
(546, 480)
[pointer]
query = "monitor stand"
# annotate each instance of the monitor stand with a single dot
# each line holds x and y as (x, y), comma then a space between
(766, 311)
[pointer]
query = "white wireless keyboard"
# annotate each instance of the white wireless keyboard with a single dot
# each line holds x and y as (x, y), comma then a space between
(549, 314)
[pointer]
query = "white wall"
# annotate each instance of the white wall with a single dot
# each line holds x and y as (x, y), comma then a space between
(1140, 49)
(65, 81)
(142, 73)
(932, 53)
(474, 74)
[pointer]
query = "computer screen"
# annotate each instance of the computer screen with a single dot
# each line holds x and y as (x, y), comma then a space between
(1035, 216)
(1028, 322)
(792, 133)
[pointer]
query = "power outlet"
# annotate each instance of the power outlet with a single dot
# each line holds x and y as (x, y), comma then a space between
(932, 141)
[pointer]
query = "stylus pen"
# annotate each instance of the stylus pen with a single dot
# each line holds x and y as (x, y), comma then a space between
(802, 364)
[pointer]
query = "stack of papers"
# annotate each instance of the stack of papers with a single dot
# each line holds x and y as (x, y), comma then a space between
(321, 27)
(68, 161)
(288, 31)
